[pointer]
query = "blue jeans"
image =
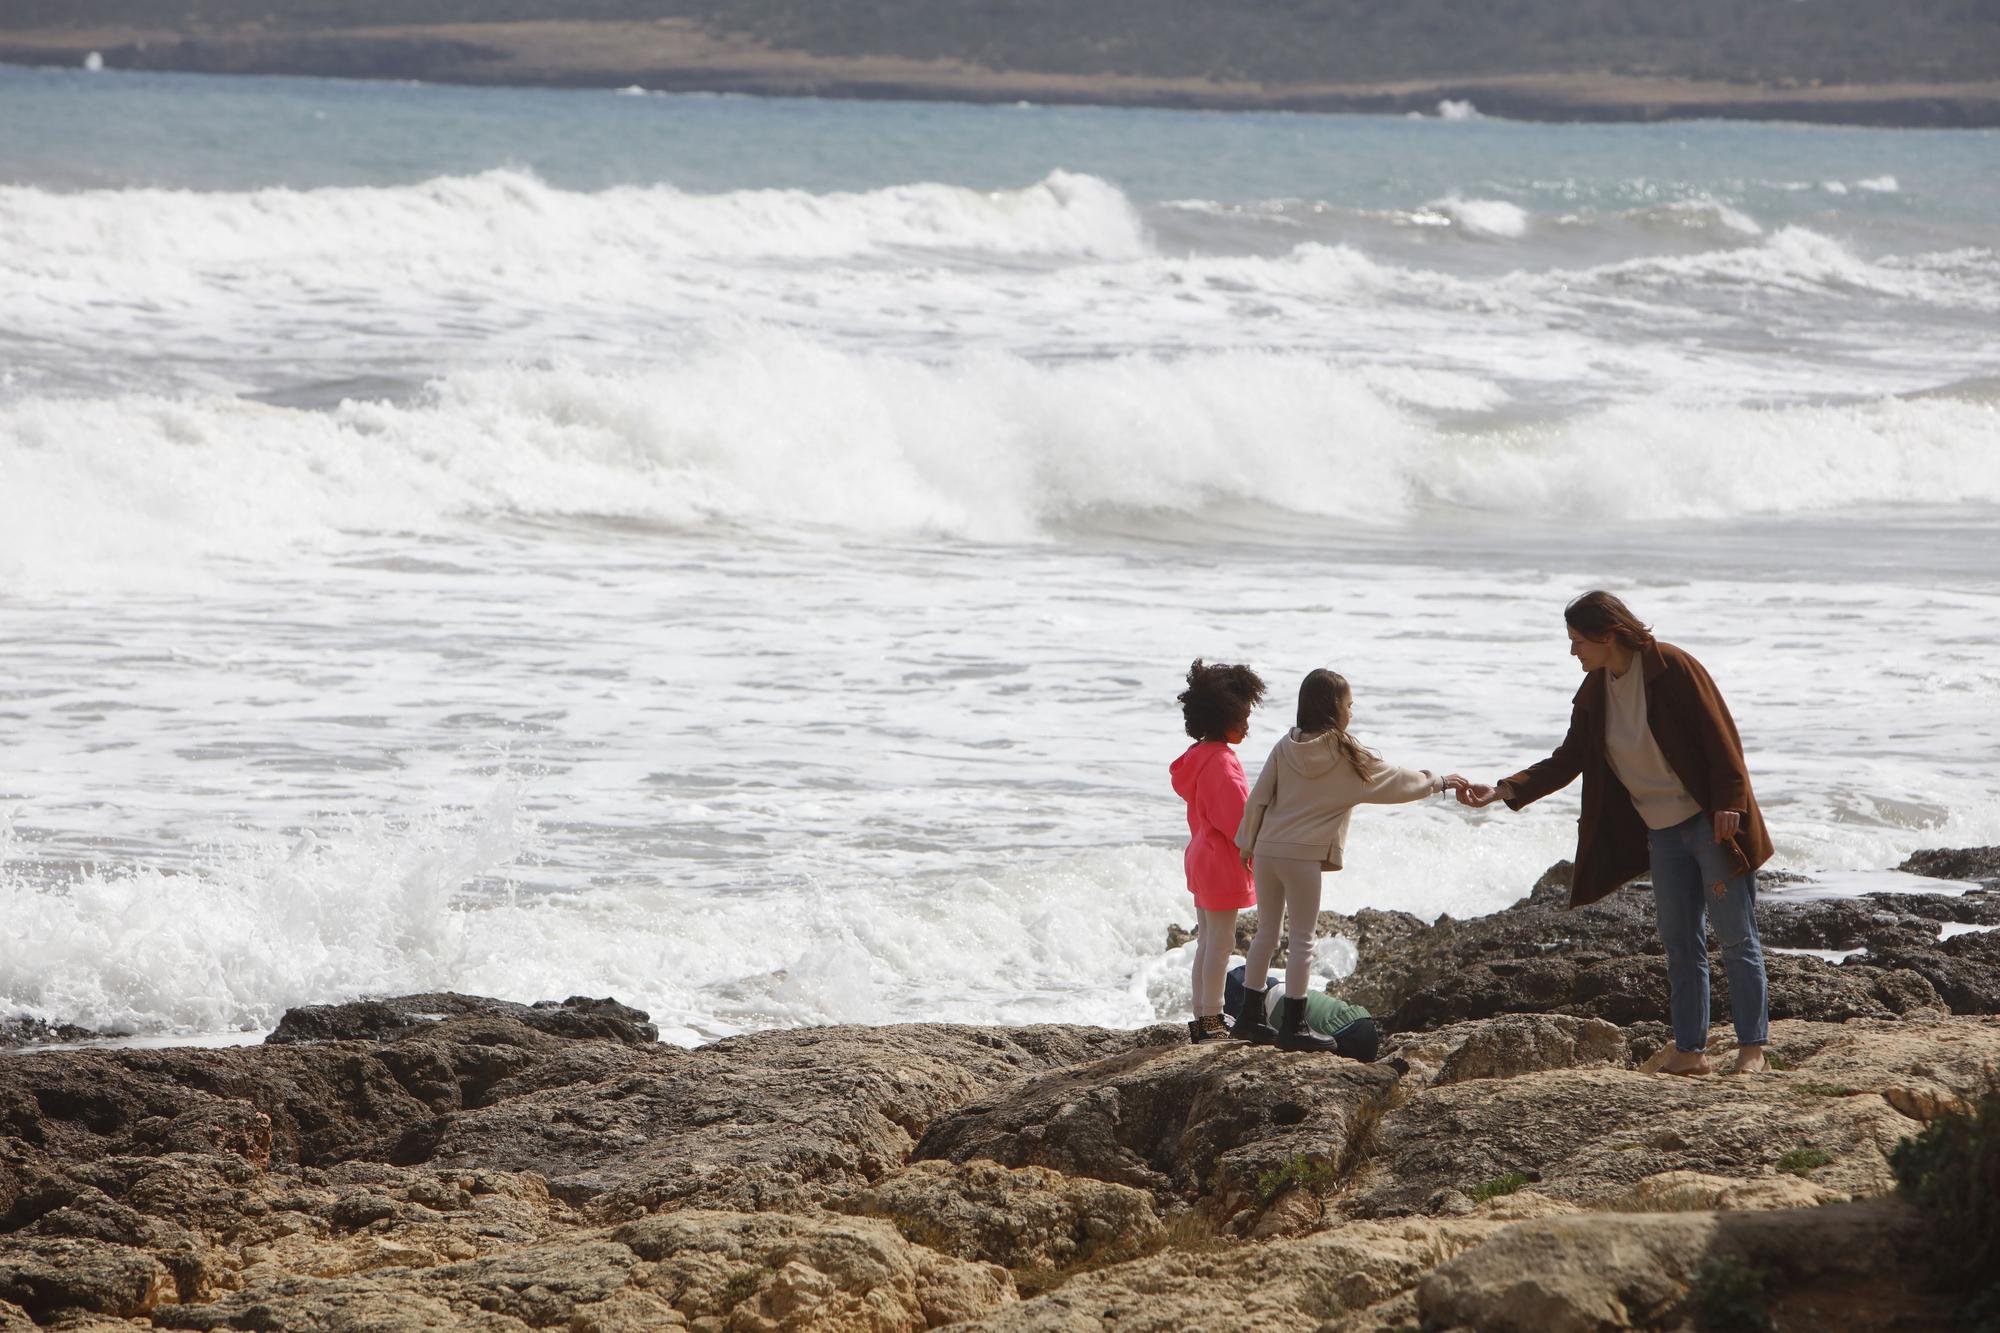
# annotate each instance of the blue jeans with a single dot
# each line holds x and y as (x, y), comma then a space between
(1687, 864)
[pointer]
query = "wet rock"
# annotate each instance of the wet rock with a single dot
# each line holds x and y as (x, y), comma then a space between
(1981, 863)
(1022, 1218)
(385, 1020)
(1964, 971)
(22, 1030)
(1606, 962)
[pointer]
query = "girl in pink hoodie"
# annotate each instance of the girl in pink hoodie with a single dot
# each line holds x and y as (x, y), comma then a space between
(1215, 708)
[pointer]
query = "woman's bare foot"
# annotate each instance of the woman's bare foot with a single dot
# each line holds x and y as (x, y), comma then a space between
(1750, 1060)
(1686, 1062)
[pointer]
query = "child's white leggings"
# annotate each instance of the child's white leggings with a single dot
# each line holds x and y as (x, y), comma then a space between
(1214, 941)
(1288, 889)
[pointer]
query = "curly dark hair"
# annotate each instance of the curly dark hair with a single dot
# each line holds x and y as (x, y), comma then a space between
(1218, 699)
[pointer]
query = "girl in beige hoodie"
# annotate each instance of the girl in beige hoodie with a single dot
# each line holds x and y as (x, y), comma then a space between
(1294, 824)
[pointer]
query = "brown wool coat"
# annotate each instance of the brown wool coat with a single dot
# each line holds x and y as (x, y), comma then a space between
(1687, 717)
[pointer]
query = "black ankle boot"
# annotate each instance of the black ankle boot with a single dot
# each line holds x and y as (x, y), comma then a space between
(1251, 1025)
(1294, 1035)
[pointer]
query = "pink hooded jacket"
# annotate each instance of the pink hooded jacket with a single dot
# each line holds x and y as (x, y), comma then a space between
(1210, 779)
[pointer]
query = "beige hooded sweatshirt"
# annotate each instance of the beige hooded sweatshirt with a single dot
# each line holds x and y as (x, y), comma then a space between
(1299, 807)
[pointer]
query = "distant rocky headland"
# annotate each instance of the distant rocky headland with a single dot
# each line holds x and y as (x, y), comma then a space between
(1917, 63)
(443, 1161)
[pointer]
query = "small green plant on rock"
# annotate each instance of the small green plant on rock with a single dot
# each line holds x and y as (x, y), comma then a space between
(1822, 1090)
(1498, 1186)
(1307, 1173)
(1803, 1161)
(1729, 1296)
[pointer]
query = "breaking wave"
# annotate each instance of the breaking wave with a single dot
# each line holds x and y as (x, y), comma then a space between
(771, 430)
(424, 231)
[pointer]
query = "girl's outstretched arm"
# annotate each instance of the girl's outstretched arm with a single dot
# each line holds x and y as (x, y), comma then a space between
(1390, 785)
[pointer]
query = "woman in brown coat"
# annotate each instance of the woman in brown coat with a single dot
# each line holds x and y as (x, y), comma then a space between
(1665, 788)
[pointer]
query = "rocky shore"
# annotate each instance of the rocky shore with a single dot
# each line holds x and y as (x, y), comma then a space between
(444, 1161)
(1795, 63)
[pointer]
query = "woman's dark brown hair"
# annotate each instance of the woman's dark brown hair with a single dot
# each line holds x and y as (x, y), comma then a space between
(1326, 705)
(1218, 699)
(1598, 615)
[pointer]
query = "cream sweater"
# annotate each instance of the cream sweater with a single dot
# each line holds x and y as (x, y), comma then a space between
(1300, 805)
(1656, 790)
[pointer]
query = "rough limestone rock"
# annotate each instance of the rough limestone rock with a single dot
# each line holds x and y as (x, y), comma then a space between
(1612, 1271)
(50, 1274)
(1283, 1286)
(1238, 1124)
(1517, 1044)
(388, 1165)
(1696, 1191)
(1920, 1068)
(766, 1121)
(1593, 1134)
(1022, 1218)
(217, 1224)
(324, 1103)
(758, 1273)
(778, 1120)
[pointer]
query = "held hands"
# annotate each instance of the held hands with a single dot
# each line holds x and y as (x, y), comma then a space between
(1454, 783)
(1479, 795)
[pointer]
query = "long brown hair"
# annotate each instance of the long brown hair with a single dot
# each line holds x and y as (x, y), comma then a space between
(1326, 705)
(1597, 614)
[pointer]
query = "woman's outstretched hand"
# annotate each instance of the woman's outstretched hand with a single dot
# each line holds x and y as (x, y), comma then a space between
(1454, 783)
